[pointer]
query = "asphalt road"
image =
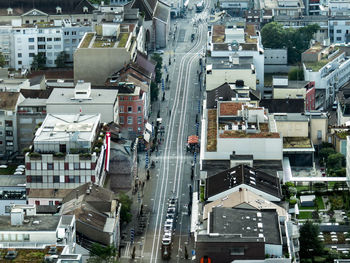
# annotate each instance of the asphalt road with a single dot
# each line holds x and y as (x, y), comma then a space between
(172, 174)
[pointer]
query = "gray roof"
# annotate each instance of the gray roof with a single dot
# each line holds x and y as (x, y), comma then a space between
(98, 96)
(291, 117)
(33, 103)
(249, 225)
(162, 12)
(46, 223)
(242, 174)
(12, 180)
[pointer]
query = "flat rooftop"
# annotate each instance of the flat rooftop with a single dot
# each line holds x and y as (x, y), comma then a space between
(68, 127)
(297, 142)
(13, 180)
(45, 223)
(92, 40)
(98, 96)
(249, 224)
(296, 117)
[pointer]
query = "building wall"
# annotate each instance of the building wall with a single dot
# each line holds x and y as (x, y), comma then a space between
(69, 172)
(72, 37)
(48, 18)
(260, 148)
(95, 65)
(4, 204)
(221, 251)
(41, 237)
(138, 118)
(338, 31)
(319, 130)
(348, 160)
(283, 93)
(6, 44)
(220, 76)
(275, 56)
(293, 128)
(43, 201)
(310, 98)
(161, 33)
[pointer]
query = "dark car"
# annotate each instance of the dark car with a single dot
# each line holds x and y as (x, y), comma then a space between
(11, 254)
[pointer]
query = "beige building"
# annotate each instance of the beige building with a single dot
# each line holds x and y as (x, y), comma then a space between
(98, 56)
(219, 71)
(282, 88)
(30, 12)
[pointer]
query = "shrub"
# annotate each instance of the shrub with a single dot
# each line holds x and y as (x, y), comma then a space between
(26, 150)
(59, 154)
(34, 155)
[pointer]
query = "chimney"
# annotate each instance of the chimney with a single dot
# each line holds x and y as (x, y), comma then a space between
(17, 217)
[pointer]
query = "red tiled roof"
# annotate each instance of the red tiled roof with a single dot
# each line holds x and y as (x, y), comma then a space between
(230, 108)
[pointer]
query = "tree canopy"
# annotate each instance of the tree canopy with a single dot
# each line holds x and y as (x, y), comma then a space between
(125, 211)
(2, 60)
(39, 61)
(310, 244)
(274, 35)
(102, 254)
(61, 59)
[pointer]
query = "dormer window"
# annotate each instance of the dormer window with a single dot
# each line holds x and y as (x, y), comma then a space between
(9, 11)
(85, 9)
(58, 10)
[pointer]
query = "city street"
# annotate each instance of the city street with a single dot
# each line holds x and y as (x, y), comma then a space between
(171, 176)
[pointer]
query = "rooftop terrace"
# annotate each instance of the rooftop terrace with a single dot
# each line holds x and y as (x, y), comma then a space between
(316, 66)
(296, 142)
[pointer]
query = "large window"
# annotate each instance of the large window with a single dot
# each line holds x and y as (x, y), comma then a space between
(129, 109)
(237, 251)
(129, 120)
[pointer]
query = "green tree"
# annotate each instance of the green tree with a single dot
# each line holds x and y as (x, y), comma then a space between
(39, 61)
(125, 211)
(102, 254)
(159, 62)
(2, 60)
(154, 91)
(295, 40)
(325, 152)
(310, 244)
(61, 59)
(296, 74)
(335, 161)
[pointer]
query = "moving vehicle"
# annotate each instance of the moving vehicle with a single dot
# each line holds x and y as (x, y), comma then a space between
(169, 227)
(200, 7)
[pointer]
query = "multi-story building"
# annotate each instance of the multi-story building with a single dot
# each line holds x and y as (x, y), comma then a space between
(67, 151)
(132, 102)
(12, 191)
(237, 42)
(95, 58)
(338, 29)
(30, 40)
(6, 43)
(29, 12)
(293, 8)
(328, 67)
(9, 102)
(83, 99)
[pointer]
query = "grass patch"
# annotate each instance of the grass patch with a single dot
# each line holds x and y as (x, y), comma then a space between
(9, 170)
(86, 41)
(302, 188)
(123, 39)
(318, 200)
(305, 215)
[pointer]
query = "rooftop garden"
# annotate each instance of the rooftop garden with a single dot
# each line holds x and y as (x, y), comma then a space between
(86, 41)
(212, 131)
(103, 42)
(28, 255)
(264, 127)
(316, 66)
(243, 134)
(123, 38)
(296, 142)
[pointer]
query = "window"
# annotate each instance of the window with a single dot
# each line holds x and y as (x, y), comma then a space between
(77, 179)
(49, 47)
(57, 39)
(9, 133)
(338, 30)
(76, 166)
(74, 33)
(37, 179)
(139, 120)
(41, 46)
(8, 123)
(26, 237)
(66, 33)
(27, 21)
(31, 39)
(7, 209)
(121, 120)
(19, 55)
(31, 55)
(31, 47)
(129, 120)
(50, 202)
(49, 39)
(49, 166)
(121, 109)
(338, 38)
(130, 98)
(129, 109)
(37, 202)
(56, 179)
(237, 251)
(139, 108)
(74, 41)
(41, 39)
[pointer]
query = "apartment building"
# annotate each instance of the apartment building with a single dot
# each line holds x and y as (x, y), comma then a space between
(9, 102)
(338, 29)
(101, 54)
(6, 43)
(238, 42)
(328, 67)
(12, 191)
(29, 12)
(67, 151)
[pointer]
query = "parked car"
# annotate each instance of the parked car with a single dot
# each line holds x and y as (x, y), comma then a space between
(11, 254)
(160, 52)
